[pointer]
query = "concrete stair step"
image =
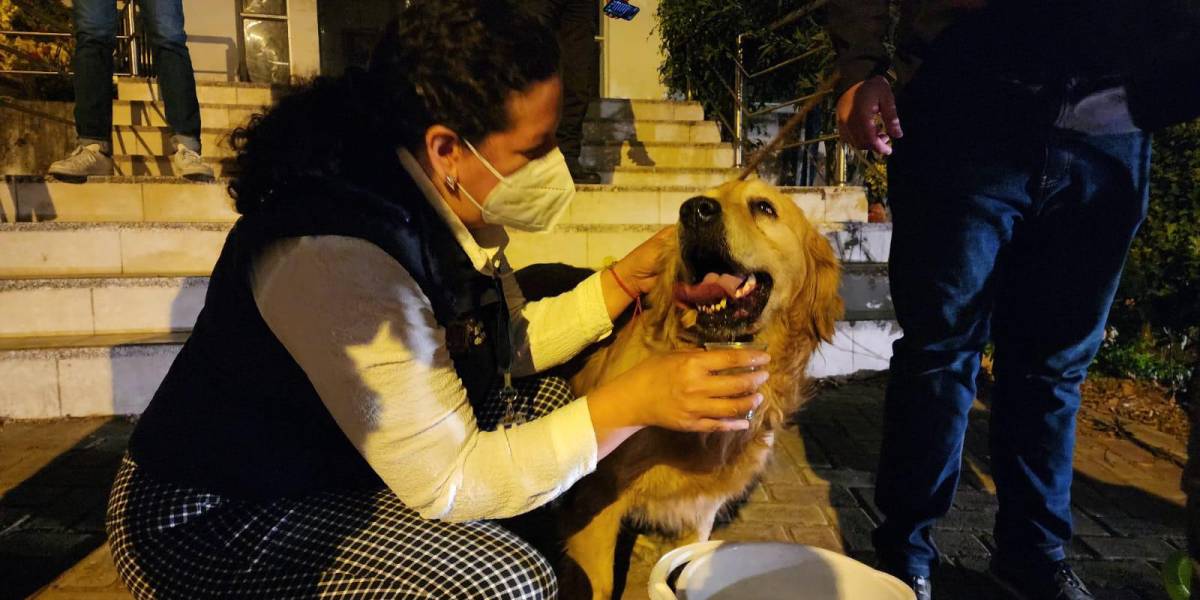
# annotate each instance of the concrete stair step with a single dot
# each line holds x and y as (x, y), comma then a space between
(645, 110)
(85, 306)
(117, 199)
(134, 89)
(160, 226)
(866, 292)
(72, 376)
(635, 204)
(132, 140)
(620, 130)
(173, 200)
(160, 166)
(113, 305)
(147, 249)
(859, 242)
(857, 346)
(141, 113)
(703, 177)
(44, 250)
(207, 92)
(606, 157)
(69, 376)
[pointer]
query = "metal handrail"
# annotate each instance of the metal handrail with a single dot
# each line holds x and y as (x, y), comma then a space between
(35, 33)
(263, 16)
(132, 38)
(797, 14)
(771, 109)
(742, 76)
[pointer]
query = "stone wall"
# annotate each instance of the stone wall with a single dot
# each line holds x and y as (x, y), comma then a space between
(34, 134)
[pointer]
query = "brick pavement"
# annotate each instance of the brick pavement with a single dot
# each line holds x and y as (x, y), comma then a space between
(818, 491)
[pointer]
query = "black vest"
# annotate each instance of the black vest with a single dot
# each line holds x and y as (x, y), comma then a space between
(237, 416)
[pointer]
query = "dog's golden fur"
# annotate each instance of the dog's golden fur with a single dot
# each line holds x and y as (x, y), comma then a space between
(680, 481)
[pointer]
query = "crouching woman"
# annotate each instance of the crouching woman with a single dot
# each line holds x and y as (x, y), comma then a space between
(348, 417)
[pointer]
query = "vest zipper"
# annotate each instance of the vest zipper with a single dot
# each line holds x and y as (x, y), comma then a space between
(508, 393)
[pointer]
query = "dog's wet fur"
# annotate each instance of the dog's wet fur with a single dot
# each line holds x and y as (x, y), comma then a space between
(680, 482)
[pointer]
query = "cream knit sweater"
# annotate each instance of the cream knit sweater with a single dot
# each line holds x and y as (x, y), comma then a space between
(398, 398)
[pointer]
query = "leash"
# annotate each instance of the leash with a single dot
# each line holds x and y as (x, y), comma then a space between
(825, 87)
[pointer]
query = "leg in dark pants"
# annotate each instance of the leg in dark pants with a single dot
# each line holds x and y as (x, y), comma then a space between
(577, 38)
(952, 222)
(1018, 237)
(575, 21)
(95, 39)
(164, 20)
(1049, 321)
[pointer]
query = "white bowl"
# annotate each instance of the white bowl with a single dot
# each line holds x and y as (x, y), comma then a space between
(769, 571)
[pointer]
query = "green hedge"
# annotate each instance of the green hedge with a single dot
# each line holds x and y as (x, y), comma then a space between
(700, 43)
(1155, 322)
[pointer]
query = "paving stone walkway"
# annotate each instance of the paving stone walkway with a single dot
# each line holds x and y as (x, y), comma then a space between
(1128, 507)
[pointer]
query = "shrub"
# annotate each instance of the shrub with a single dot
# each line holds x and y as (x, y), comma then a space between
(1157, 313)
(35, 53)
(700, 45)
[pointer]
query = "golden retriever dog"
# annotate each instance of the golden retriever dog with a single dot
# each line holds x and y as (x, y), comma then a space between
(749, 267)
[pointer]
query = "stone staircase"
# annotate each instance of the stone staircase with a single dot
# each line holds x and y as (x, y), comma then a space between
(100, 283)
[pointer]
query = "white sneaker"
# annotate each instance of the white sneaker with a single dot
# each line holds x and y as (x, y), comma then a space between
(190, 165)
(83, 162)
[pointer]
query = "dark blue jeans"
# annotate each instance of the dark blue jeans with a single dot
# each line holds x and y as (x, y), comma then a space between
(95, 39)
(1009, 230)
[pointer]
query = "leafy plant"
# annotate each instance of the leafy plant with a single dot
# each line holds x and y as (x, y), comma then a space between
(700, 45)
(1157, 312)
(35, 53)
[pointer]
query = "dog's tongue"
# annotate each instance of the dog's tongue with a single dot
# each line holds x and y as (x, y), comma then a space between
(711, 289)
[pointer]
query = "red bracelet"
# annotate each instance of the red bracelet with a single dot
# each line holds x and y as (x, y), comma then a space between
(637, 298)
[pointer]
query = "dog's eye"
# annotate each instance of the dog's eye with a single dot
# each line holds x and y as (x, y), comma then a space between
(763, 207)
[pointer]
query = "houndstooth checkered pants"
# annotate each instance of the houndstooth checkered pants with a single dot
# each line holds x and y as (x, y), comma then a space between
(173, 542)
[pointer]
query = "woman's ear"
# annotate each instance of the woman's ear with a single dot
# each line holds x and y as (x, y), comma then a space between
(444, 151)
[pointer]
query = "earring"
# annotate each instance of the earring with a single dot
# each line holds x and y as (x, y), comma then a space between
(451, 183)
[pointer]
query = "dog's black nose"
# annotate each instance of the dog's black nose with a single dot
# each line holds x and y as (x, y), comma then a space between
(699, 211)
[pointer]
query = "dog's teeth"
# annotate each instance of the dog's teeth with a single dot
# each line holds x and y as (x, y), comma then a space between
(721, 304)
(749, 286)
(689, 319)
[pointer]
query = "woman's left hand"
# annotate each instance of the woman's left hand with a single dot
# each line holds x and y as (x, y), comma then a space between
(639, 269)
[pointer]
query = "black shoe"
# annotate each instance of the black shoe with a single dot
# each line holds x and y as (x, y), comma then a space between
(1056, 582)
(582, 177)
(921, 586)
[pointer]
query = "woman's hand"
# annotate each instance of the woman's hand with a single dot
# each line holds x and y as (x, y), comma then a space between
(639, 269)
(681, 391)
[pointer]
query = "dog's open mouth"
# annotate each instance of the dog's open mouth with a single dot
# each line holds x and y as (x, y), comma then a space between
(727, 299)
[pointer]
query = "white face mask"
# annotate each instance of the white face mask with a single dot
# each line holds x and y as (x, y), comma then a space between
(531, 199)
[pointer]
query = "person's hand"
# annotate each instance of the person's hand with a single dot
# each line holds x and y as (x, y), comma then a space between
(639, 269)
(682, 391)
(857, 110)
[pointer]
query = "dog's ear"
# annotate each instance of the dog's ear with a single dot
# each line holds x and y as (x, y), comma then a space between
(819, 299)
(660, 325)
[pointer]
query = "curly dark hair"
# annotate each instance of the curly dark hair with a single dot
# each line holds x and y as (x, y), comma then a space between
(453, 62)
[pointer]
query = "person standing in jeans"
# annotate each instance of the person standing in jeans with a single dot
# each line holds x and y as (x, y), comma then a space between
(1016, 185)
(95, 39)
(576, 24)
